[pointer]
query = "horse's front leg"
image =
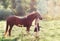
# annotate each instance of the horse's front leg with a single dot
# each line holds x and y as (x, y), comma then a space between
(37, 28)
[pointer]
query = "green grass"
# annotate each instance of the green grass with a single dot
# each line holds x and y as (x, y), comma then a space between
(50, 31)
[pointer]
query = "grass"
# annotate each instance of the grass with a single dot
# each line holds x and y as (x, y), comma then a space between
(50, 31)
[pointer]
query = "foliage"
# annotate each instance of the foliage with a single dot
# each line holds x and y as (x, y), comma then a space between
(5, 3)
(5, 13)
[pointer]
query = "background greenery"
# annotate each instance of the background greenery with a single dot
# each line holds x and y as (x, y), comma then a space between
(49, 9)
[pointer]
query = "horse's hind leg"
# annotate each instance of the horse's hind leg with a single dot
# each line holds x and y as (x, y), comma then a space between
(28, 29)
(10, 30)
(6, 30)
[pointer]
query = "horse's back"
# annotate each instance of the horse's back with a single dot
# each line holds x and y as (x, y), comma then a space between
(12, 19)
(16, 20)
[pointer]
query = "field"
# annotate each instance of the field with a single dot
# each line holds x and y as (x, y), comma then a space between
(50, 31)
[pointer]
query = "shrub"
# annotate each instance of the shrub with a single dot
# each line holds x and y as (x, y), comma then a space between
(48, 17)
(4, 13)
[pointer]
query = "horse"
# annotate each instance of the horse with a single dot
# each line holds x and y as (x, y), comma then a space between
(25, 21)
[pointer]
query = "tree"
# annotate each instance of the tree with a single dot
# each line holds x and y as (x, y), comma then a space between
(32, 5)
(16, 4)
(5, 3)
(13, 4)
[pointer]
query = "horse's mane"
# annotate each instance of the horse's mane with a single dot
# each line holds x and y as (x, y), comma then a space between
(34, 12)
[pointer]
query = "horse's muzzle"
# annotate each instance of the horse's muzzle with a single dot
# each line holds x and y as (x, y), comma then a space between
(40, 18)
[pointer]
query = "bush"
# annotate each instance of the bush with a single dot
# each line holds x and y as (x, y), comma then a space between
(48, 17)
(4, 13)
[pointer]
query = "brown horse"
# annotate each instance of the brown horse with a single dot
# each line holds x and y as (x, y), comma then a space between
(25, 21)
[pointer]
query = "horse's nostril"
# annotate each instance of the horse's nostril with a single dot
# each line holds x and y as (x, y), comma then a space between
(41, 18)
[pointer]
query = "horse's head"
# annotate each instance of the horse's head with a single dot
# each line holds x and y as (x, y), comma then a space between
(38, 15)
(34, 15)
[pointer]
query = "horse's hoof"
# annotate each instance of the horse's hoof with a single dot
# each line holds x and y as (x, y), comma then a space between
(37, 36)
(25, 34)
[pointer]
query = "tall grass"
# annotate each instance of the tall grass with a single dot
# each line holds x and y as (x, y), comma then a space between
(49, 31)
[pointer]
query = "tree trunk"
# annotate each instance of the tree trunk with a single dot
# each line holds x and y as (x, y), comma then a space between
(32, 5)
(13, 4)
(16, 4)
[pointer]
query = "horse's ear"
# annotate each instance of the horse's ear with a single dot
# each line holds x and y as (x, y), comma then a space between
(13, 10)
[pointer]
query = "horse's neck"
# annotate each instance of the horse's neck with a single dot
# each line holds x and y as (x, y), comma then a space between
(31, 18)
